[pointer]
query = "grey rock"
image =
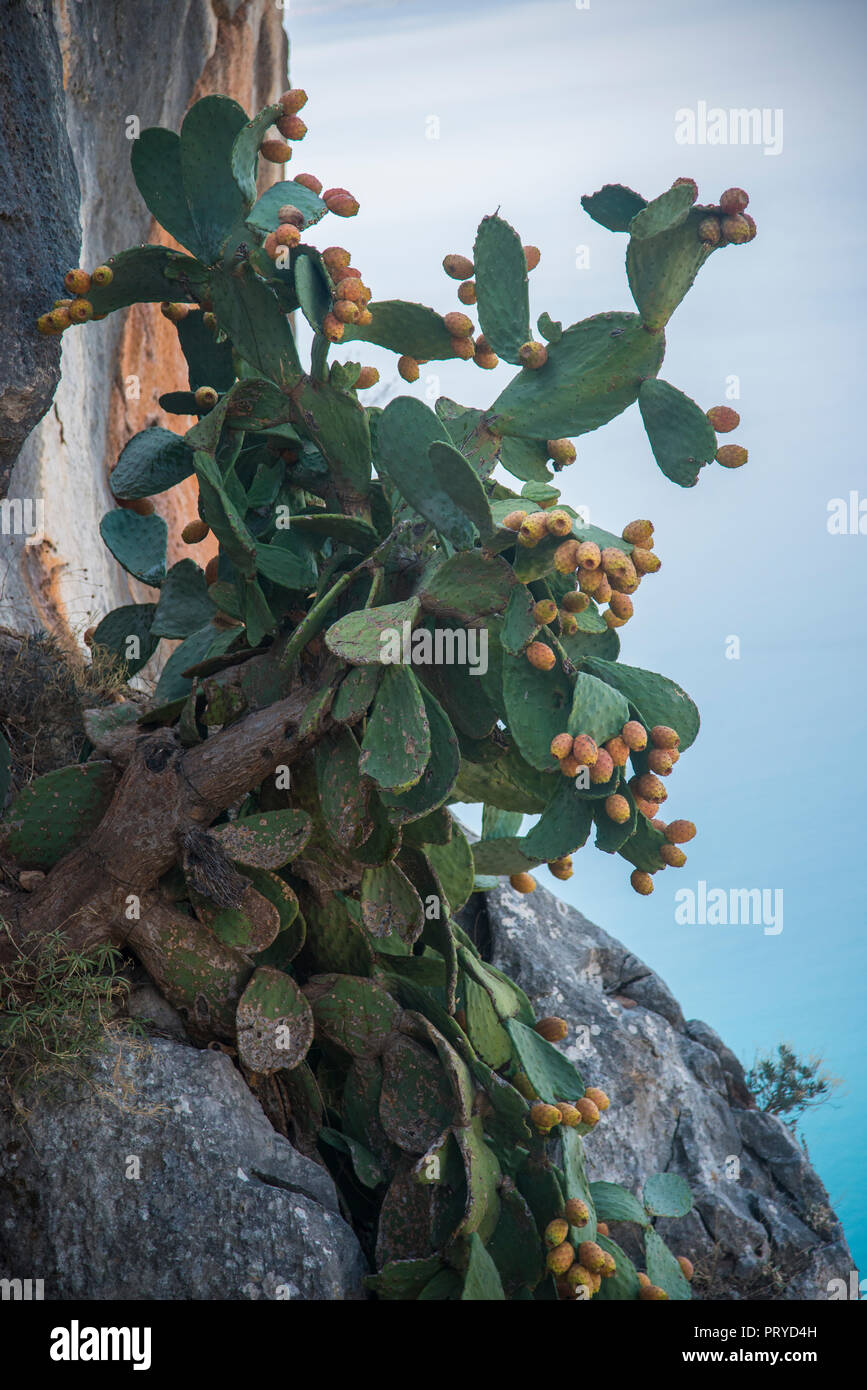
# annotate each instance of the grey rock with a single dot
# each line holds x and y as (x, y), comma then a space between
(762, 1226)
(223, 1207)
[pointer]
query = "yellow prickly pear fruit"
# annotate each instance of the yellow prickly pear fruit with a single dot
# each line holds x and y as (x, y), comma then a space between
(559, 523)
(617, 808)
(610, 1267)
(576, 1212)
(407, 367)
(561, 745)
(709, 231)
(643, 1279)
(590, 582)
(47, 323)
(687, 1267)
(589, 555)
(458, 267)
(276, 151)
(679, 832)
(588, 1111)
(544, 1117)
(581, 1281)
(591, 1256)
(80, 311)
(368, 376)
(467, 292)
(585, 750)
(672, 855)
(523, 883)
(604, 591)
(611, 619)
(364, 318)
(552, 1029)
(645, 561)
(569, 1116)
(532, 355)
(206, 398)
(309, 181)
(514, 521)
(598, 1097)
(566, 557)
(638, 533)
(562, 452)
(568, 623)
(736, 229)
(532, 256)
(293, 100)
(533, 528)
(194, 532)
(174, 312)
(556, 1232)
(561, 1259)
(102, 275)
(731, 455)
(575, 602)
(634, 735)
(77, 282)
(621, 606)
(641, 882)
(521, 1083)
(545, 611)
(561, 868)
(458, 325)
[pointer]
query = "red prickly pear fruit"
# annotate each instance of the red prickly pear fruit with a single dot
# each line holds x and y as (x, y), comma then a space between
(544, 1117)
(736, 229)
(523, 883)
(556, 1232)
(659, 760)
(561, 745)
(276, 151)
(514, 521)
(458, 267)
(464, 348)
(533, 528)
(687, 183)
(663, 736)
(603, 769)
(680, 832)
(552, 1029)
(634, 735)
(729, 455)
(750, 221)
(652, 1293)
(566, 557)
(602, 1228)
(287, 234)
(558, 523)
(293, 100)
(541, 656)
(591, 1256)
(658, 824)
(532, 256)
(570, 766)
(589, 555)
(545, 611)
(561, 1259)
(332, 328)
(292, 127)
(709, 231)
(569, 1116)
(575, 602)
(672, 855)
(309, 181)
(649, 787)
(458, 325)
(102, 275)
(723, 419)
(618, 750)
(733, 201)
(206, 397)
(289, 213)
(645, 561)
(598, 1097)
(617, 808)
(368, 376)
(340, 202)
(467, 292)
(641, 882)
(562, 452)
(271, 246)
(687, 1268)
(647, 808)
(77, 282)
(407, 367)
(639, 533)
(532, 355)
(576, 1212)
(621, 606)
(345, 311)
(585, 750)
(80, 311)
(561, 868)
(194, 532)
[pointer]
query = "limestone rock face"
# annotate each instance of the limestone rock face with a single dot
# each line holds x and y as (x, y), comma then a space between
(762, 1226)
(161, 1178)
(83, 78)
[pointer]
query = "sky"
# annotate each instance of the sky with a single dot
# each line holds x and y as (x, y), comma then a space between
(435, 115)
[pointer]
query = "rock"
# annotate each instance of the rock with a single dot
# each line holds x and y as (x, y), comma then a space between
(762, 1226)
(223, 1207)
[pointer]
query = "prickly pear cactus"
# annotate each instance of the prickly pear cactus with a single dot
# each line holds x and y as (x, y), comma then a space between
(458, 639)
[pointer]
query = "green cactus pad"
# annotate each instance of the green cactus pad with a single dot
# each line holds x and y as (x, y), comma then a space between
(371, 1174)
(404, 435)
(664, 213)
(483, 1176)
(156, 166)
(681, 436)
(274, 1022)
(467, 586)
(220, 513)
(291, 568)
(662, 268)
(508, 1000)
(248, 311)
(506, 854)
(55, 813)
(355, 693)
(334, 941)
(453, 866)
(440, 774)
(489, 1039)
(146, 275)
(592, 374)
(216, 203)
(313, 286)
(643, 846)
(352, 1014)
(153, 461)
(550, 1073)
(519, 626)
(615, 1203)
(458, 479)
(412, 330)
(250, 927)
(667, 1194)
(538, 704)
(598, 708)
(659, 699)
(403, 1279)
(563, 826)
(390, 904)
(244, 158)
(662, 1267)
(133, 620)
(342, 794)
(263, 216)
(138, 543)
(338, 425)
(416, 1103)
(623, 1286)
(396, 745)
(209, 363)
(184, 604)
(610, 837)
(525, 459)
(348, 530)
(614, 206)
(515, 1247)
(575, 1181)
(173, 684)
(502, 287)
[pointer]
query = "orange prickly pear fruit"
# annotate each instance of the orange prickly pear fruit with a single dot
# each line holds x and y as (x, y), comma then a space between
(287, 234)
(731, 455)
(292, 127)
(621, 606)
(591, 1256)
(643, 1279)
(541, 656)
(532, 355)
(569, 1116)
(598, 1097)
(364, 318)
(590, 582)
(679, 832)
(276, 151)
(350, 288)
(345, 311)
(458, 267)
(723, 419)
(487, 360)
(467, 292)
(663, 736)
(589, 555)
(556, 1232)
(647, 808)
(545, 611)
(660, 761)
(340, 201)
(611, 619)
(639, 533)
(634, 735)
(561, 868)
(332, 328)
(570, 766)
(552, 1029)
(588, 1111)
(649, 787)
(544, 1117)
(618, 750)
(562, 452)
(566, 557)
(142, 506)
(617, 808)
(309, 181)
(575, 602)
(464, 348)
(579, 1278)
(368, 376)
(602, 1228)
(458, 325)
(77, 282)
(687, 1267)
(645, 561)
(407, 367)
(585, 750)
(561, 745)
(532, 256)
(603, 768)
(336, 260)
(174, 312)
(652, 1293)
(523, 883)
(514, 521)
(641, 882)
(610, 1266)
(194, 532)
(576, 1212)
(603, 592)
(672, 855)
(293, 100)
